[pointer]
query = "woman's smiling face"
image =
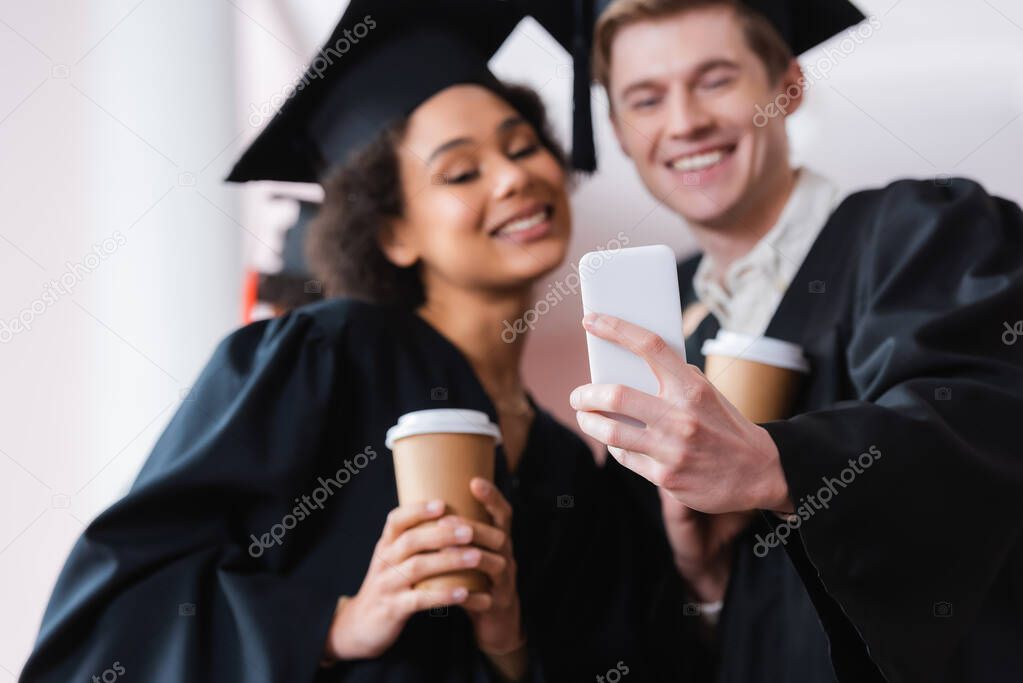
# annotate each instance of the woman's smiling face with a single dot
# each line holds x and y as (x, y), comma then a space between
(485, 203)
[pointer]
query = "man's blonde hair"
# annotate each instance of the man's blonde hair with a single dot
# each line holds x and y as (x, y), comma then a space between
(761, 35)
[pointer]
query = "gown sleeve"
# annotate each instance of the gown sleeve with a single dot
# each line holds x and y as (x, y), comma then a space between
(912, 541)
(166, 583)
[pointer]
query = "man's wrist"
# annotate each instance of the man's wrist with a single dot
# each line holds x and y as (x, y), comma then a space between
(708, 589)
(774, 488)
(706, 586)
(510, 664)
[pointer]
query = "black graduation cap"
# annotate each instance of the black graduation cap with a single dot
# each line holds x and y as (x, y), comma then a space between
(384, 58)
(805, 24)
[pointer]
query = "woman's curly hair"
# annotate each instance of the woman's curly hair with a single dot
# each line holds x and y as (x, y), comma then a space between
(364, 194)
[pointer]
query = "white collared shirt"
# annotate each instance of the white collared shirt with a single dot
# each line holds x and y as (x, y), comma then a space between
(754, 285)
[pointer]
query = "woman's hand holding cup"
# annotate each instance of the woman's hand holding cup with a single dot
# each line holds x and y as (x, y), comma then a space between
(367, 624)
(426, 559)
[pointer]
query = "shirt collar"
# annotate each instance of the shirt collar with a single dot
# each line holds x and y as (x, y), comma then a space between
(779, 253)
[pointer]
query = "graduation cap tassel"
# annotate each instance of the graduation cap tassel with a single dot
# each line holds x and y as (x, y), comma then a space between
(584, 156)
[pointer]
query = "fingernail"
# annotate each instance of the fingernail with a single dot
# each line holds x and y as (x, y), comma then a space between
(435, 506)
(484, 486)
(471, 557)
(590, 319)
(573, 398)
(459, 594)
(463, 533)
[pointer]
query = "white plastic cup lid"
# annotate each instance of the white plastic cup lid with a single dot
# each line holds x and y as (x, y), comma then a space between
(765, 350)
(442, 421)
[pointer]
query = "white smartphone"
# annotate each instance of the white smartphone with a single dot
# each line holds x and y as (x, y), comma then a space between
(638, 285)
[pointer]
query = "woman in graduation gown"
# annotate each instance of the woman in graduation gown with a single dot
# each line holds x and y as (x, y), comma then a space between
(262, 539)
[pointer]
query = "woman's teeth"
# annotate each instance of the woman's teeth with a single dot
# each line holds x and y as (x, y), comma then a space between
(524, 223)
(699, 162)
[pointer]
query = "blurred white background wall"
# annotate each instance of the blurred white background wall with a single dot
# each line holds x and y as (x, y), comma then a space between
(119, 118)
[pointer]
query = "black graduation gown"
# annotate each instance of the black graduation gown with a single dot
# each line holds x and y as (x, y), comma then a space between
(915, 567)
(184, 579)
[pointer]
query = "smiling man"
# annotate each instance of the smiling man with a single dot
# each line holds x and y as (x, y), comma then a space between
(898, 297)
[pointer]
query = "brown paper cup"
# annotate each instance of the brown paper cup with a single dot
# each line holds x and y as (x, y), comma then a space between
(436, 454)
(758, 375)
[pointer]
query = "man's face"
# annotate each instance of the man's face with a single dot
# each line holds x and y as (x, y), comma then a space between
(684, 92)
